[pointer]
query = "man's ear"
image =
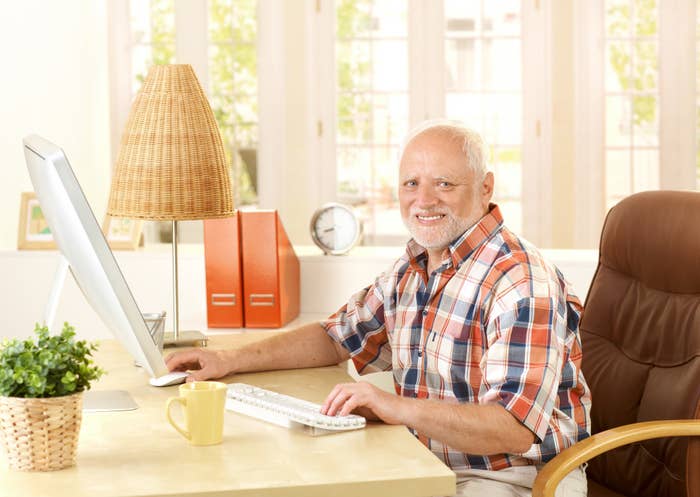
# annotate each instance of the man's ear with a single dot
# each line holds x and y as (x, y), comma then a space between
(487, 188)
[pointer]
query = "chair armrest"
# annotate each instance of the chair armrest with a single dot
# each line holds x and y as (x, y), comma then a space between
(555, 470)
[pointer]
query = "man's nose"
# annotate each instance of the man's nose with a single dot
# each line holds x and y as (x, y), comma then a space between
(426, 196)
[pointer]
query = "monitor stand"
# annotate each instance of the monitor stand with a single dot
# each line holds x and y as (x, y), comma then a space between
(93, 400)
(108, 401)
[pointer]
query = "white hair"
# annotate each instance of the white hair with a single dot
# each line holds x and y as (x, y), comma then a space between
(472, 144)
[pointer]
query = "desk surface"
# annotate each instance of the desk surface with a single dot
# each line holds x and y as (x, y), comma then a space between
(137, 453)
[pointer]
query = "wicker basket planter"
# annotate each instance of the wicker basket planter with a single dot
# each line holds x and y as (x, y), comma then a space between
(40, 434)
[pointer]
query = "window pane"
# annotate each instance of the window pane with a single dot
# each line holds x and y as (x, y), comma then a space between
(221, 68)
(618, 20)
(502, 119)
(389, 118)
(140, 22)
(498, 75)
(646, 170)
(245, 68)
(354, 68)
(233, 89)
(618, 66)
(496, 116)
(646, 14)
(245, 20)
(618, 124)
(220, 21)
(354, 167)
(460, 60)
(465, 107)
(646, 65)
(354, 119)
(153, 37)
(646, 124)
(506, 166)
(617, 175)
(386, 179)
(352, 17)
(389, 18)
(390, 60)
(162, 21)
(631, 97)
(372, 103)
(502, 17)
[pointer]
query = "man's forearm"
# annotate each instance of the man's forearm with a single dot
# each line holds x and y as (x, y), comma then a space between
(305, 347)
(473, 429)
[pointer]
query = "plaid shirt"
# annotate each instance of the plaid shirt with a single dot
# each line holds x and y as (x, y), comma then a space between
(494, 323)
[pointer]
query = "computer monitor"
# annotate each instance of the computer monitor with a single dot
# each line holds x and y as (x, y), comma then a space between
(81, 241)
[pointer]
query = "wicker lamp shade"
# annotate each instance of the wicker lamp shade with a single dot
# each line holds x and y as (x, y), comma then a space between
(171, 163)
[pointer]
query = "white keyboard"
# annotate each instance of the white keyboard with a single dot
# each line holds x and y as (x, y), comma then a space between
(287, 411)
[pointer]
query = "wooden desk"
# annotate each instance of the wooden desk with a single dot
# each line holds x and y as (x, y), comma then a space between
(137, 453)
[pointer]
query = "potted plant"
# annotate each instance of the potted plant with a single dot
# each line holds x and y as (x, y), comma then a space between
(41, 385)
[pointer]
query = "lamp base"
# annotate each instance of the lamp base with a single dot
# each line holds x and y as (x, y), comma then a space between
(191, 338)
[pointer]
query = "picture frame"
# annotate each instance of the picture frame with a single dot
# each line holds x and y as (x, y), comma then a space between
(122, 233)
(34, 232)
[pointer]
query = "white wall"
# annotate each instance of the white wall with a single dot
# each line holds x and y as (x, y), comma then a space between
(27, 276)
(54, 83)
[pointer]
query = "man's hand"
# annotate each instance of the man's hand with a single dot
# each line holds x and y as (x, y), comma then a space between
(204, 364)
(360, 398)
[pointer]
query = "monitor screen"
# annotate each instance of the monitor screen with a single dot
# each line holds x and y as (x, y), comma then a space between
(81, 241)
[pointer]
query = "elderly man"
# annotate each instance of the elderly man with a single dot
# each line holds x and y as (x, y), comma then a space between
(480, 332)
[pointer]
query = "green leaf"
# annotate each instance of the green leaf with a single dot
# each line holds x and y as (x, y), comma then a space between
(49, 366)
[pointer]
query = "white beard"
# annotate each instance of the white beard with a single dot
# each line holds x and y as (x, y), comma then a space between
(437, 237)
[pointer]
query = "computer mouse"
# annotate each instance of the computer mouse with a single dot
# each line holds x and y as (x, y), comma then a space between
(172, 378)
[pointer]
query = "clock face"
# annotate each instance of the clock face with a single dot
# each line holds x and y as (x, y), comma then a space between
(335, 228)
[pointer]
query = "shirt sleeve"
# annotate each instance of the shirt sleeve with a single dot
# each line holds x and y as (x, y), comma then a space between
(522, 366)
(359, 326)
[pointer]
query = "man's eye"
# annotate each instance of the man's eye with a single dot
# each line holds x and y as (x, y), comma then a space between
(444, 184)
(410, 183)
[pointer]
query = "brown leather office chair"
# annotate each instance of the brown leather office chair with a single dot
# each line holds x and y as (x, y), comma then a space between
(641, 354)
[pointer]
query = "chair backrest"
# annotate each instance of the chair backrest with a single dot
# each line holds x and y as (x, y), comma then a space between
(641, 340)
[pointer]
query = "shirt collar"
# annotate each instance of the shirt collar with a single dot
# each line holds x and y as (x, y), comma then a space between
(463, 246)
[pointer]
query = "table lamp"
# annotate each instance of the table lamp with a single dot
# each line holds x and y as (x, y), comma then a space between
(171, 164)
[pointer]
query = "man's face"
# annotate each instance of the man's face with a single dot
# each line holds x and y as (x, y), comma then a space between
(439, 195)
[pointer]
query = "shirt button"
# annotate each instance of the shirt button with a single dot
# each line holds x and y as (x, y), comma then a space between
(420, 353)
(425, 312)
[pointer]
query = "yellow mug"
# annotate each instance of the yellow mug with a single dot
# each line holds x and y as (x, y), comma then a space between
(203, 405)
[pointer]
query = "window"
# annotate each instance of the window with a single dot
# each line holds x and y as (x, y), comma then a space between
(631, 98)
(643, 107)
(381, 93)
(371, 109)
(233, 88)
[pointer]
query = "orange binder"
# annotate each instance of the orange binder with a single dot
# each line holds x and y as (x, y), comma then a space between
(222, 264)
(271, 283)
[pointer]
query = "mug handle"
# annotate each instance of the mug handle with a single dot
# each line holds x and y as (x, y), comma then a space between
(182, 401)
